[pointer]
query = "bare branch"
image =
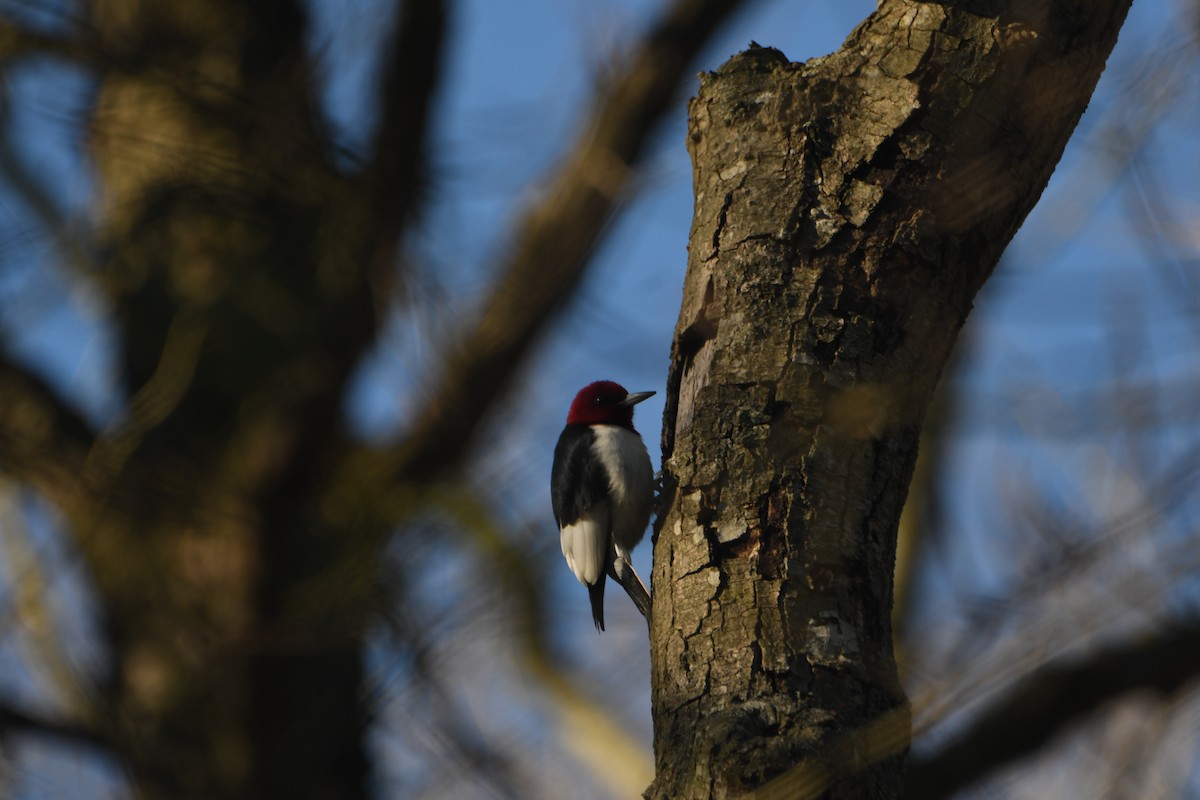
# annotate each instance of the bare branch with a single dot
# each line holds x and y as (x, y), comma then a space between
(17, 41)
(1047, 702)
(42, 440)
(410, 83)
(555, 238)
(15, 721)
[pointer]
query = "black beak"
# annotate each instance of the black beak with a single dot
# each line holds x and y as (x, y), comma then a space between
(633, 398)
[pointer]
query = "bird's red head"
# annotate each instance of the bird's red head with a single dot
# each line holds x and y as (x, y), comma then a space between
(604, 403)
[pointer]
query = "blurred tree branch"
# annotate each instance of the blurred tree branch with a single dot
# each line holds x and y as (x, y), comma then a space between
(13, 721)
(588, 726)
(43, 442)
(1048, 701)
(246, 273)
(400, 152)
(554, 239)
(17, 41)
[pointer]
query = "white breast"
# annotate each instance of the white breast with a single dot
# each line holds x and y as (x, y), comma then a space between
(631, 483)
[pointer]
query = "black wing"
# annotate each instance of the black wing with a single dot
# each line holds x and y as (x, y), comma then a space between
(577, 480)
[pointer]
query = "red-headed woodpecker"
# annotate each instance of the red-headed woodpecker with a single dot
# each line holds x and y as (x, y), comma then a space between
(602, 487)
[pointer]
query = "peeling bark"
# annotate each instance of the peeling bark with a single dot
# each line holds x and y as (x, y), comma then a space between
(847, 211)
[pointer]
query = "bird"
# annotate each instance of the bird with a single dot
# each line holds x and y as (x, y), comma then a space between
(602, 490)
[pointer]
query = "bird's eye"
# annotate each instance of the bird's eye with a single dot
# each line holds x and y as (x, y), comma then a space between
(597, 399)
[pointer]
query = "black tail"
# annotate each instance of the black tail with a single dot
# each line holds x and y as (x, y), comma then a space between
(596, 595)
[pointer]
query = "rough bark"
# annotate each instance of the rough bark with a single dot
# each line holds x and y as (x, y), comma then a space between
(847, 211)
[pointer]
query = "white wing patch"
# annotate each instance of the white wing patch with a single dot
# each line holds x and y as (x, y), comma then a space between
(584, 543)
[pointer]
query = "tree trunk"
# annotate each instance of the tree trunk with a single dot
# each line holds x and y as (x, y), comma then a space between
(234, 261)
(847, 211)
